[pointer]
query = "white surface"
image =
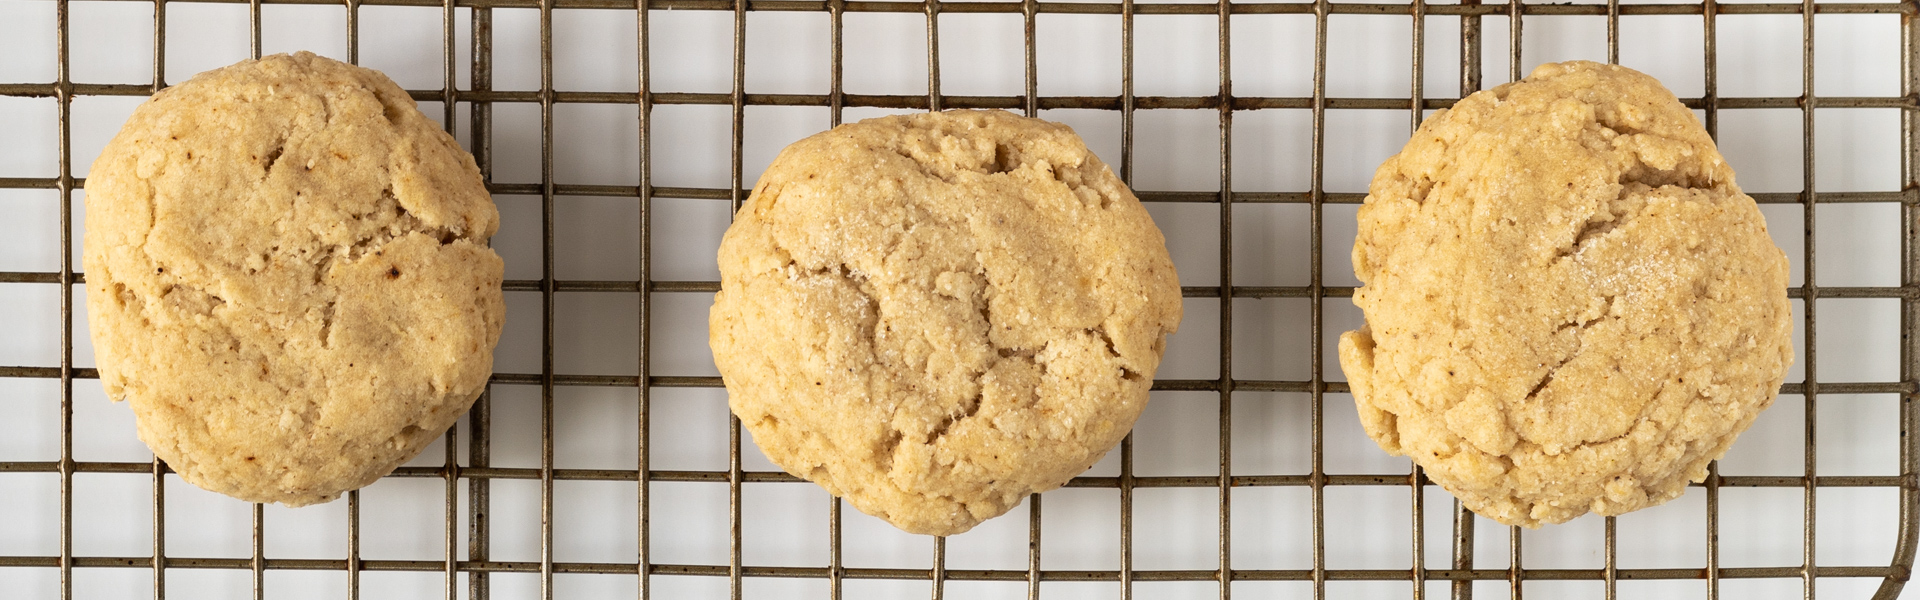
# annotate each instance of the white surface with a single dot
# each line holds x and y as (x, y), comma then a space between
(786, 524)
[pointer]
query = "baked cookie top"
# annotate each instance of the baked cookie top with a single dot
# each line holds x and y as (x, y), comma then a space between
(287, 276)
(1570, 305)
(935, 315)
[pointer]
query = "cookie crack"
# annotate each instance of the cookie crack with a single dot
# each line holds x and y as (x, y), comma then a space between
(273, 156)
(921, 166)
(1638, 419)
(1654, 178)
(1114, 351)
(206, 302)
(1592, 231)
(400, 223)
(847, 274)
(886, 449)
(1548, 378)
(972, 408)
(1579, 343)
(1617, 126)
(331, 310)
(1007, 158)
(1617, 212)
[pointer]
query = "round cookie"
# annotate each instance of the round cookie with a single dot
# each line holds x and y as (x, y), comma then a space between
(1570, 305)
(936, 315)
(288, 278)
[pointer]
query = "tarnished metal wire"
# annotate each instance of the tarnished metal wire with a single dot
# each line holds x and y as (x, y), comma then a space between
(473, 466)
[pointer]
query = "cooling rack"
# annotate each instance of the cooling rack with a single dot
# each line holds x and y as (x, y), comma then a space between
(1323, 516)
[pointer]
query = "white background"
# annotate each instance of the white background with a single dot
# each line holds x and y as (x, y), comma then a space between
(785, 524)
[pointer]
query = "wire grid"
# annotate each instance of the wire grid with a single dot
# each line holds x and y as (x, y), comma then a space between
(477, 474)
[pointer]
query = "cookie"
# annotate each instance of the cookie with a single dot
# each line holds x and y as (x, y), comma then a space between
(1570, 306)
(936, 315)
(288, 277)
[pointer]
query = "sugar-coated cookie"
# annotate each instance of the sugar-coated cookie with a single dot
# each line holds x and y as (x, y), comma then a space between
(1570, 305)
(288, 278)
(938, 314)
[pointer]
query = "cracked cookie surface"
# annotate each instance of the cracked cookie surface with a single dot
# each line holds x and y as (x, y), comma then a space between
(1570, 305)
(288, 278)
(936, 315)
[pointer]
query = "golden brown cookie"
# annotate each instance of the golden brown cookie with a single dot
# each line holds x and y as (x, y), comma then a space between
(1570, 305)
(936, 315)
(288, 278)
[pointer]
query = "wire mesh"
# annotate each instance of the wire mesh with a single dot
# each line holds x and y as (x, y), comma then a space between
(468, 476)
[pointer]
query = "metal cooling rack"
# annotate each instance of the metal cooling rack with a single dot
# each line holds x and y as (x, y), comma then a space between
(467, 571)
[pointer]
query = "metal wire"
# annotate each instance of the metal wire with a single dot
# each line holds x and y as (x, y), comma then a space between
(63, 93)
(476, 565)
(1225, 400)
(158, 468)
(480, 417)
(1810, 493)
(644, 561)
(1463, 519)
(1711, 106)
(547, 259)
